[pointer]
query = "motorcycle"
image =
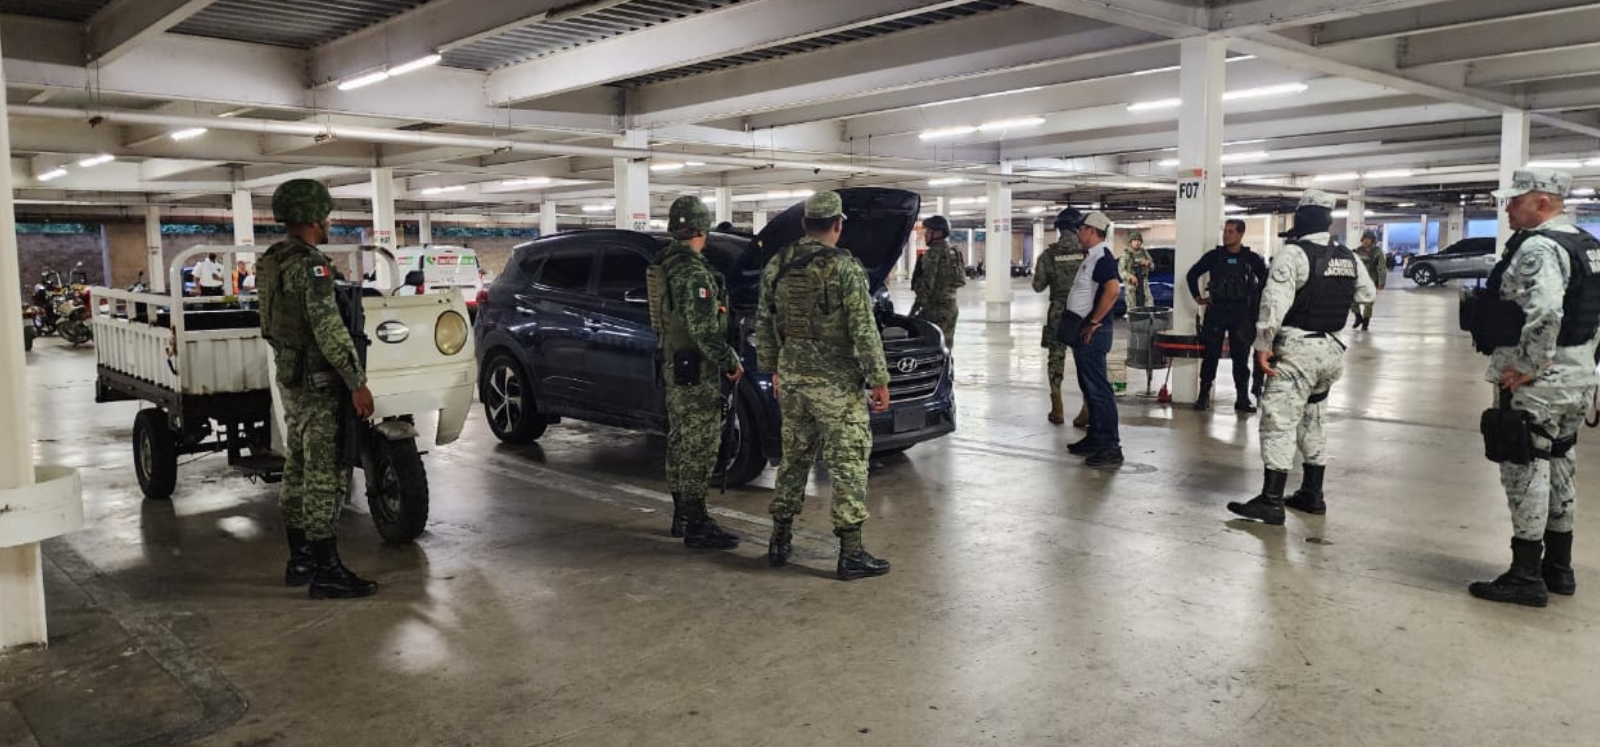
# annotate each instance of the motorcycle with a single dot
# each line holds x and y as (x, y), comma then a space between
(63, 309)
(28, 332)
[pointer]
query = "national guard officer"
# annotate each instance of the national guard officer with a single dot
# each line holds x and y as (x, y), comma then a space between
(1054, 270)
(816, 332)
(318, 369)
(1539, 327)
(689, 311)
(1377, 267)
(940, 272)
(1134, 266)
(1237, 275)
(1307, 299)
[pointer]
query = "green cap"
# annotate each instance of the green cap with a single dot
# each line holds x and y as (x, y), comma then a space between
(1136, 236)
(301, 201)
(824, 205)
(688, 215)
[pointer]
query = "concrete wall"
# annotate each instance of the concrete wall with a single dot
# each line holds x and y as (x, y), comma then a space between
(39, 252)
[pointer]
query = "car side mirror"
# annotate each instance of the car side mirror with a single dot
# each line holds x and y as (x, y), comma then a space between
(636, 296)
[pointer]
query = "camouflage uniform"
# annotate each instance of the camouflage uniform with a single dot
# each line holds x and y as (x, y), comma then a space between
(1055, 270)
(697, 319)
(308, 336)
(1372, 258)
(939, 273)
(1135, 264)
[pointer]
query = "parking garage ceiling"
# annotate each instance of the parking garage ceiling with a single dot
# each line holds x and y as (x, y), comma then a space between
(772, 97)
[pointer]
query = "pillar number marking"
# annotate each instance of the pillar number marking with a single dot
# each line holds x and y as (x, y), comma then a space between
(1190, 189)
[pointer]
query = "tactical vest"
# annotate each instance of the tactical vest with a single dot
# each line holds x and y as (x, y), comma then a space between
(1497, 323)
(282, 326)
(655, 287)
(1232, 282)
(802, 293)
(1323, 303)
(673, 331)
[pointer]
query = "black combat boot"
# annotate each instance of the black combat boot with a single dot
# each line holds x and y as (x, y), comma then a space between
(1309, 497)
(703, 532)
(332, 580)
(301, 563)
(779, 545)
(1242, 406)
(680, 518)
(1203, 402)
(1267, 507)
(1557, 566)
(854, 560)
(1520, 585)
(1085, 446)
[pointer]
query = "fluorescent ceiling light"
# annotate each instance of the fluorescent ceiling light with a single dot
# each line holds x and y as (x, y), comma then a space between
(694, 163)
(1583, 192)
(666, 166)
(94, 161)
(1347, 176)
(803, 193)
(1145, 106)
(1037, 209)
(55, 173)
(1407, 204)
(189, 134)
(1256, 93)
(1592, 162)
(1387, 174)
(980, 96)
(1155, 70)
(415, 65)
(1245, 142)
(599, 208)
(1246, 156)
(1009, 124)
(1234, 208)
(954, 213)
(944, 132)
(946, 181)
(364, 80)
(535, 181)
(1553, 164)
(969, 200)
(1168, 162)
(442, 190)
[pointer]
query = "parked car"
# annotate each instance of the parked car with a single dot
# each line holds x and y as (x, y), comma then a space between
(1021, 270)
(564, 332)
(1467, 258)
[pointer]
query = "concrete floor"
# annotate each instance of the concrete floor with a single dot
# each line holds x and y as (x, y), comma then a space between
(1033, 601)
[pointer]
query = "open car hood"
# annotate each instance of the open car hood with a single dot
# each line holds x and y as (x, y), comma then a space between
(877, 224)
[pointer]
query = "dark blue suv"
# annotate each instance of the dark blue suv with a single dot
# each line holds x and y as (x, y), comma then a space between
(565, 333)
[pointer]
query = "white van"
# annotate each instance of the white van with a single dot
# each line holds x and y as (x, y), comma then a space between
(444, 268)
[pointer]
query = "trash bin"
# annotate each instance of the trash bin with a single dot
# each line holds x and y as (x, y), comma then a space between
(1144, 324)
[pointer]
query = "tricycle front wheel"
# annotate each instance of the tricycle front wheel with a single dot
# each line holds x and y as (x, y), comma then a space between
(397, 488)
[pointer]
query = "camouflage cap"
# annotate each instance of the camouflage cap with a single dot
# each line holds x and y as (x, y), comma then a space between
(824, 205)
(1524, 181)
(688, 215)
(1365, 235)
(1317, 198)
(1136, 236)
(301, 201)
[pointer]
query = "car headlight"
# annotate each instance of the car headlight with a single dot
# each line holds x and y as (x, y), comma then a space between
(450, 333)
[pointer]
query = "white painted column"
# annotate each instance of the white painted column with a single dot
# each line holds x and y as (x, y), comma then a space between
(1422, 234)
(758, 220)
(972, 247)
(425, 228)
(383, 207)
(155, 271)
(547, 219)
(1269, 245)
(724, 204)
(244, 225)
(633, 183)
(997, 252)
(1513, 155)
(1384, 239)
(1199, 196)
(1038, 240)
(1355, 221)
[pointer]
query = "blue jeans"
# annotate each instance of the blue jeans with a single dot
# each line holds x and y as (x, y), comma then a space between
(1090, 360)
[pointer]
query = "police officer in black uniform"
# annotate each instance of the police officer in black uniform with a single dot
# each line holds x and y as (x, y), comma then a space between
(1237, 276)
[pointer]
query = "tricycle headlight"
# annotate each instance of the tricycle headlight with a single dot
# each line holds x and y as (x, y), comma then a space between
(450, 333)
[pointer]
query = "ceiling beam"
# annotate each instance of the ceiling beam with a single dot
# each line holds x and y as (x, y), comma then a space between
(1513, 37)
(433, 28)
(1438, 17)
(1527, 68)
(116, 28)
(746, 26)
(1257, 15)
(1174, 20)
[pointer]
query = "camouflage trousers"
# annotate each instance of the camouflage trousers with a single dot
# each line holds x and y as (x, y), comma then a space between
(315, 483)
(831, 418)
(942, 316)
(1543, 494)
(1363, 310)
(1294, 400)
(694, 431)
(1056, 366)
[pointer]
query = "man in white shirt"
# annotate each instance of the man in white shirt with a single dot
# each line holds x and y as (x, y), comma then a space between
(1094, 291)
(208, 275)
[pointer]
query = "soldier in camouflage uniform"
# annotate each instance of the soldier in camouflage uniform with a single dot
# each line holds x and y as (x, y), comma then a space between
(1372, 257)
(1135, 265)
(939, 274)
(1310, 287)
(1549, 373)
(691, 316)
(318, 369)
(816, 331)
(1054, 271)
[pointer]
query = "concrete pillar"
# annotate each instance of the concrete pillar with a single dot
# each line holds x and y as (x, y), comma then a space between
(244, 225)
(1422, 234)
(1513, 155)
(724, 205)
(997, 252)
(633, 183)
(1199, 196)
(383, 207)
(1457, 225)
(1038, 242)
(972, 247)
(1269, 245)
(547, 218)
(1355, 221)
(155, 260)
(758, 220)
(425, 229)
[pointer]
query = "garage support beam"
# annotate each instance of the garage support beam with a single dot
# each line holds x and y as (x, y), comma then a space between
(1355, 216)
(548, 223)
(1199, 195)
(424, 228)
(244, 224)
(997, 293)
(633, 183)
(119, 26)
(383, 191)
(724, 206)
(1514, 128)
(155, 260)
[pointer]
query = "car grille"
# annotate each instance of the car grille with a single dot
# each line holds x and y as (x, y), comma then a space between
(920, 382)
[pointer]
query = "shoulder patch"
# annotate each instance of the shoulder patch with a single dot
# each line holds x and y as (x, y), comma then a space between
(1529, 263)
(1281, 274)
(702, 292)
(319, 271)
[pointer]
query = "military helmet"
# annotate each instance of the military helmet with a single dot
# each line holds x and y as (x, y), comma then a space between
(1068, 219)
(824, 205)
(688, 215)
(936, 223)
(1136, 236)
(301, 201)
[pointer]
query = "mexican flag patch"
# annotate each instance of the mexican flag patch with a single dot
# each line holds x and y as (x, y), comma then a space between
(319, 271)
(704, 292)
